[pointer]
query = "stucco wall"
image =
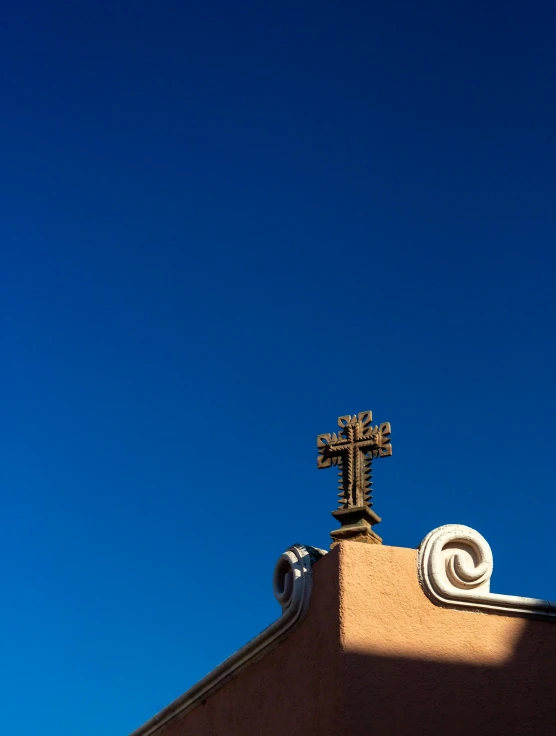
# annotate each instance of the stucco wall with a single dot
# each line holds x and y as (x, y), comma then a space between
(375, 656)
(292, 690)
(410, 667)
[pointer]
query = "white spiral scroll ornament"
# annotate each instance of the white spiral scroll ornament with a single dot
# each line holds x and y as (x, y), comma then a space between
(293, 578)
(455, 566)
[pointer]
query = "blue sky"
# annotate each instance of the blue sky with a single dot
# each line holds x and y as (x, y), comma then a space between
(223, 225)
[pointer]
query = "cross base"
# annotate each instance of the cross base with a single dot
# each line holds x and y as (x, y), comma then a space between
(356, 526)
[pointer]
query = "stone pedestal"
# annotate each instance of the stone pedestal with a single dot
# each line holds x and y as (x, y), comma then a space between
(356, 526)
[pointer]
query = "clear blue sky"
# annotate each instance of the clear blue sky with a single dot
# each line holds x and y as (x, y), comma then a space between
(223, 225)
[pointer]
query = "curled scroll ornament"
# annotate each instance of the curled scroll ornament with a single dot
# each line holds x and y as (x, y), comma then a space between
(455, 566)
(293, 578)
(292, 584)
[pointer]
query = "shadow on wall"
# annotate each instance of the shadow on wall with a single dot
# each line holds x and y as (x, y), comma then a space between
(417, 696)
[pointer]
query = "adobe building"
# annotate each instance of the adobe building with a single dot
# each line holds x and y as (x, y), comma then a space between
(381, 640)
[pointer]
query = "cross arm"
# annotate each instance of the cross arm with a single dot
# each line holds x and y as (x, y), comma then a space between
(382, 446)
(325, 443)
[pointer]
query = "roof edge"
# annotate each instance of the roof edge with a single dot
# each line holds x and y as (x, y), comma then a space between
(293, 585)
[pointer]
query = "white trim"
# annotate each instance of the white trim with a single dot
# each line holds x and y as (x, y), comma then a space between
(455, 566)
(293, 583)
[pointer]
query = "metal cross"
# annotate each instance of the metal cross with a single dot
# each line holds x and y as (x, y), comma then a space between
(353, 450)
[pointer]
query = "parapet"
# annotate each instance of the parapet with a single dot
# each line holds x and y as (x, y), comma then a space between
(385, 640)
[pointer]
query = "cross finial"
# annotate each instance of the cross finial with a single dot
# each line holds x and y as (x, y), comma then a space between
(352, 450)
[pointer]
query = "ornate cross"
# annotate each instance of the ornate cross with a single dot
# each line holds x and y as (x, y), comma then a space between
(352, 450)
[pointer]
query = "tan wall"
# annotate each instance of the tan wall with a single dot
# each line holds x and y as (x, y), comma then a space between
(375, 656)
(292, 690)
(410, 667)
